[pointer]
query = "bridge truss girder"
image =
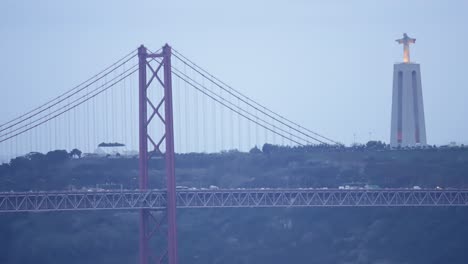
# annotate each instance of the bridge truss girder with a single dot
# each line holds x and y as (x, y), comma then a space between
(227, 198)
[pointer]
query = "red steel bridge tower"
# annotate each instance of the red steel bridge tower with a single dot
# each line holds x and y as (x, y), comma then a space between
(150, 223)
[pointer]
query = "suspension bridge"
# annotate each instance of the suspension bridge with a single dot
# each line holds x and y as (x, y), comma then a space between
(178, 107)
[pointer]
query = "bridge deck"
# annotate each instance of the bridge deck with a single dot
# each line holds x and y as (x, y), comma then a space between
(156, 199)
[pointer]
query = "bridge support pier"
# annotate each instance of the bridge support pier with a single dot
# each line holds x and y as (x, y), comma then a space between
(163, 60)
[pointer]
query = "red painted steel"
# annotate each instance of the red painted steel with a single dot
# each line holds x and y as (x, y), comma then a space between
(170, 156)
(168, 138)
(143, 151)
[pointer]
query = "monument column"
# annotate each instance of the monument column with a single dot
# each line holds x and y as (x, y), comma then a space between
(408, 128)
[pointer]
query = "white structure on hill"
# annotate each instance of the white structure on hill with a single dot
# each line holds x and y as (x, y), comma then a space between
(408, 128)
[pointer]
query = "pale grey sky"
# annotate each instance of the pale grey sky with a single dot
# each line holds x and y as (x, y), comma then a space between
(325, 64)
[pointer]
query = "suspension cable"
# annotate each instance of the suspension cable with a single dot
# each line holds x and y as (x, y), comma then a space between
(234, 106)
(65, 95)
(240, 109)
(234, 110)
(67, 108)
(245, 98)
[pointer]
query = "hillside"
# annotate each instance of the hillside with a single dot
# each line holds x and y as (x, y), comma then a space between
(343, 235)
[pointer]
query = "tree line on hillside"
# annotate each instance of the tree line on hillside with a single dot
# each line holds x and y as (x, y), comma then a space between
(57, 156)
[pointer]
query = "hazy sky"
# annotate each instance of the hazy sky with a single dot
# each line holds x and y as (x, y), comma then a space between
(325, 64)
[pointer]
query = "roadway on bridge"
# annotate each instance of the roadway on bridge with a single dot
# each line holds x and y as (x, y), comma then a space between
(229, 198)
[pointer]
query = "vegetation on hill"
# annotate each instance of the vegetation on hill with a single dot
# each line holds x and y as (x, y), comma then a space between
(320, 235)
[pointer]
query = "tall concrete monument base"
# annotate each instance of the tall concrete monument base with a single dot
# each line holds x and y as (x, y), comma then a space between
(408, 128)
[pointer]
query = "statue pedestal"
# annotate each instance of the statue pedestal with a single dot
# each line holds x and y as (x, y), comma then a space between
(408, 128)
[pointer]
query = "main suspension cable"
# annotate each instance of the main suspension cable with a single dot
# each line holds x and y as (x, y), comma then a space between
(67, 107)
(233, 106)
(234, 110)
(245, 98)
(55, 101)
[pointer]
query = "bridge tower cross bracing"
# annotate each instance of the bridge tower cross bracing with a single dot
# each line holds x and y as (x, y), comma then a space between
(163, 60)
